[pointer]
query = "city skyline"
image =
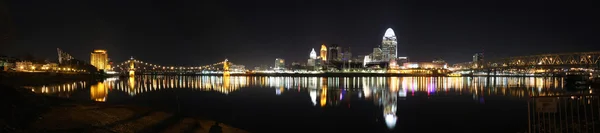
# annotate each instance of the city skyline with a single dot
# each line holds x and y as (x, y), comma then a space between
(256, 38)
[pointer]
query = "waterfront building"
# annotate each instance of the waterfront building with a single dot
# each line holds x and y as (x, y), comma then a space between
(347, 55)
(401, 61)
(425, 65)
(335, 53)
(478, 57)
(377, 55)
(237, 68)
(478, 60)
(50, 66)
(388, 49)
(24, 66)
(359, 58)
(313, 54)
(99, 59)
(63, 57)
(389, 45)
(310, 62)
(4, 63)
(438, 60)
(323, 52)
(279, 64)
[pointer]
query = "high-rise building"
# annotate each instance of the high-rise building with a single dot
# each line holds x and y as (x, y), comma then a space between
(478, 57)
(347, 55)
(99, 59)
(389, 45)
(313, 54)
(323, 52)
(377, 55)
(63, 57)
(335, 53)
(279, 64)
(478, 60)
(310, 62)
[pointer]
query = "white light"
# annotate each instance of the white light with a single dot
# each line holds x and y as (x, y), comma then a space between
(389, 33)
(390, 121)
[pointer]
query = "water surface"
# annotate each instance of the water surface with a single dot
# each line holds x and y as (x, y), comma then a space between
(331, 104)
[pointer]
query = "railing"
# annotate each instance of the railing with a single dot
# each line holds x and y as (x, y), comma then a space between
(564, 114)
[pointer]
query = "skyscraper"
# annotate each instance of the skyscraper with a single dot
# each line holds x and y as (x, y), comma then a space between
(347, 55)
(377, 54)
(478, 60)
(279, 64)
(323, 52)
(389, 45)
(99, 59)
(313, 54)
(478, 57)
(335, 53)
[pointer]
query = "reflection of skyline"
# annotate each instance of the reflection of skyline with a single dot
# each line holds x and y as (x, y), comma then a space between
(336, 89)
(328, 91)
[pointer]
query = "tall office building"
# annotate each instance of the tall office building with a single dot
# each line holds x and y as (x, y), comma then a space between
(323, 52)
(347, 55)
(279, 64)
(389, 45)
(478, 60)
(377, 55)
(335, 53)
(478, 57)
(63, 57)
(99, 59)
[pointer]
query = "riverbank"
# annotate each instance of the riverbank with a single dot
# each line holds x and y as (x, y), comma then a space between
(18, 79)
(25, 111)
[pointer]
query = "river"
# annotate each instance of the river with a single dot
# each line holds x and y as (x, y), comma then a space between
(331, 104)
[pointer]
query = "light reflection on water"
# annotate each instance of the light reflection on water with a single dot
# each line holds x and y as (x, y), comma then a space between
(329, 91)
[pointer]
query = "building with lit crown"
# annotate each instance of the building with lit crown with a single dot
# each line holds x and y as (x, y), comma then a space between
(323, 52)
(99, 59)
(313, 54)
(389, 45)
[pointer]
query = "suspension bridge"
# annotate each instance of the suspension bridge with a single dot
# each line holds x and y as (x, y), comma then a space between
(135, 66)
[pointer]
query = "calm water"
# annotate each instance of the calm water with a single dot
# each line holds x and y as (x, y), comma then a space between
(331, 104)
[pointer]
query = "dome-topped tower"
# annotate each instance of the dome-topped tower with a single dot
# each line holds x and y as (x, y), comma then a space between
(389, 45)
(313, 54)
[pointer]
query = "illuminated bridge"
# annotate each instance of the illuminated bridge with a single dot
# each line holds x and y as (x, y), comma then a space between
(141, 67)
(544, 63)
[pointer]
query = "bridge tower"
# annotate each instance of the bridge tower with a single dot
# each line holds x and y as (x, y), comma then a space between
(131, 67)
(226, 68)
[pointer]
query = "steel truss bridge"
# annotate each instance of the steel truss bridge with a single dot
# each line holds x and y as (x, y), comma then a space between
(585, 60)
(142, 67)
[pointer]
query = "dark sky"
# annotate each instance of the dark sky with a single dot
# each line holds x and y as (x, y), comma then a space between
(198, 32)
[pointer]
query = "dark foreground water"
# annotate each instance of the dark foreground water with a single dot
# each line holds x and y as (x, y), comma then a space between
(331, 104)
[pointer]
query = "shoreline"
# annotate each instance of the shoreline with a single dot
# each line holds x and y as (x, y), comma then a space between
(26, 111)
(19, 79)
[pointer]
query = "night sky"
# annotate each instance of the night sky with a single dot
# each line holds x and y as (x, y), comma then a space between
(199, 32)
